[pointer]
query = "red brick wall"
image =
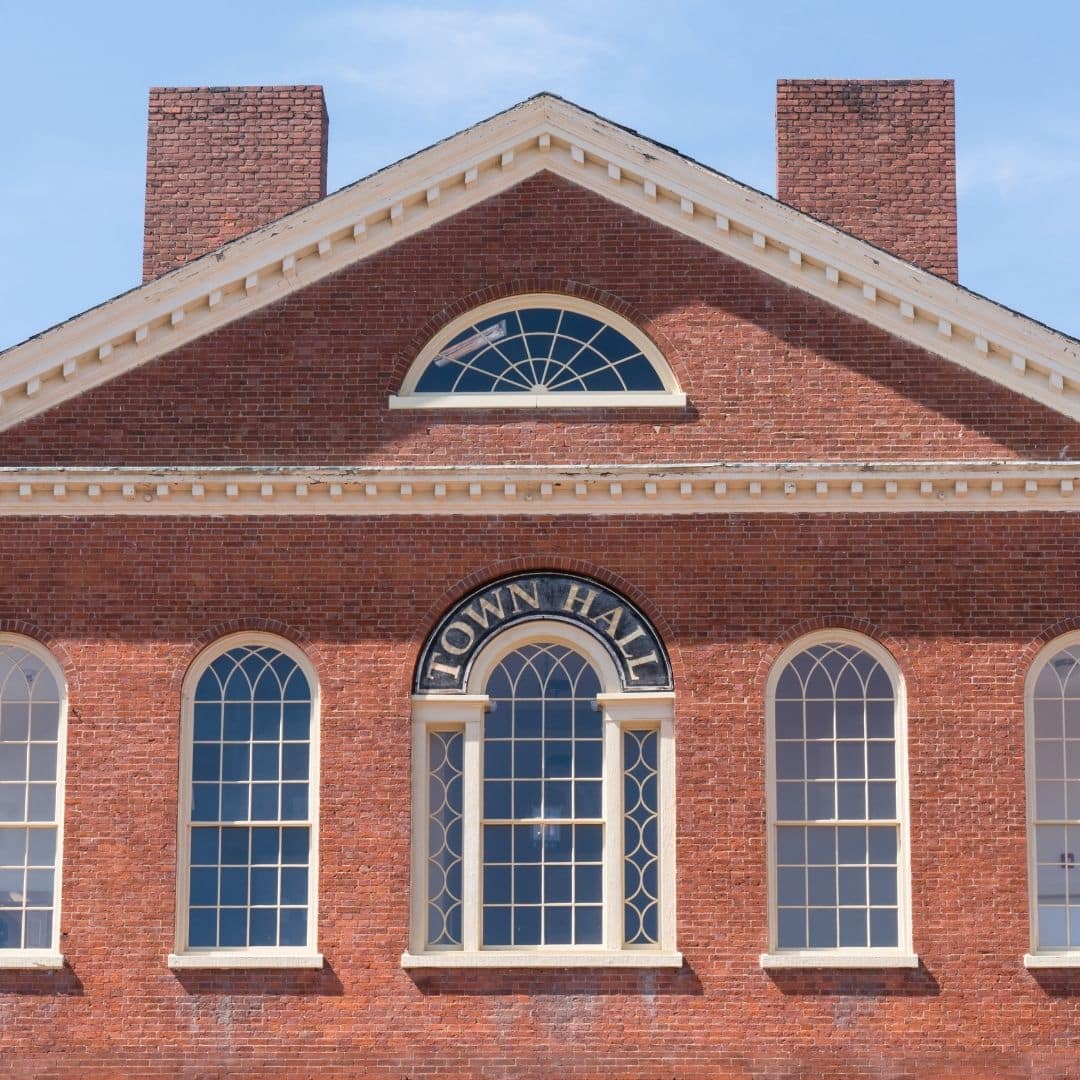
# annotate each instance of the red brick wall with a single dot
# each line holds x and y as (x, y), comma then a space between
(221, 161)
(958, 598)
(876, 158)
(771, 373)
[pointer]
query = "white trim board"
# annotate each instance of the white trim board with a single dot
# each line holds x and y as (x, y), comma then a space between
(490, 490)
(543, 133)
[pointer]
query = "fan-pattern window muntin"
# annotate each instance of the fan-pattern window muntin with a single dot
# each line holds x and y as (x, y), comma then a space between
(248, 840)
(539, 350)
(837, 799)
(1054, 796)
(32, 708)
(569, 851)
(536, 350)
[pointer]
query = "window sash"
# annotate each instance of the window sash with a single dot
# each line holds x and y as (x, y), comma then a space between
(310, 823)
(1065, 775)
(54, 824)
(899, 821)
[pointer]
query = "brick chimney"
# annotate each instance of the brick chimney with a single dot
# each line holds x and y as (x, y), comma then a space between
(876, 158)
(223, 160)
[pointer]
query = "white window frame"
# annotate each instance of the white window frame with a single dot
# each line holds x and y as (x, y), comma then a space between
(465, 712)
(671, 396)
(275, 956)
(50, 958)
(903, 955)
(1037, 957)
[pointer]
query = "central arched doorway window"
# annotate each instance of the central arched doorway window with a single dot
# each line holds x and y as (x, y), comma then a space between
(543, 806)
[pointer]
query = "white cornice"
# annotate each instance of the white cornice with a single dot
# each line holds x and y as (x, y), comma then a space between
(544, 133)
(489, 490)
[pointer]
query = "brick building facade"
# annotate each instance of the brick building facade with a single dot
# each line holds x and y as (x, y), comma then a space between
(788, 447)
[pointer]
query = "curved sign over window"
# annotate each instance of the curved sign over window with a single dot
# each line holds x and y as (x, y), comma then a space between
(634, 645)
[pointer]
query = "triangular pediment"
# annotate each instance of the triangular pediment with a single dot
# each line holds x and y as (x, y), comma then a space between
(544, 133)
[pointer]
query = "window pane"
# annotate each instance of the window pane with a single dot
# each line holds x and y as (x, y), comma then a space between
(791, 928)
(246, 702)
(827, 894)
(542, 767)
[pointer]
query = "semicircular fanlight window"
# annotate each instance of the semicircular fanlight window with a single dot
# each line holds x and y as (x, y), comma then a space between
(536, 350)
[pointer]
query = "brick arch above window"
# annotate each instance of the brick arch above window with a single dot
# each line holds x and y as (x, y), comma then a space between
(539, 350)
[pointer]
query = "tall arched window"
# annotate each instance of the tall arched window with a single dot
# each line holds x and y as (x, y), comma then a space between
(837, 806)
(33, 708)
(542, 839)
(1053, 754)
(248, 829)
(543, 811)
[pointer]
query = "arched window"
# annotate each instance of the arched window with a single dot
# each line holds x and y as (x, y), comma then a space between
(543, 810)
(837, 806)
(1053, 752)
(33, 714)
(542, 822)
(541, 350)
(248, 828)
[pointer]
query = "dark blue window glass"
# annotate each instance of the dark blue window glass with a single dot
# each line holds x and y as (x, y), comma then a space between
(836, 831)
(248, 883)
(30, 706)
(539, 350)
(543, 836)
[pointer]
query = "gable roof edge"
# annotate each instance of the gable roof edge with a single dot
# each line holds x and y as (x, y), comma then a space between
(542, 134)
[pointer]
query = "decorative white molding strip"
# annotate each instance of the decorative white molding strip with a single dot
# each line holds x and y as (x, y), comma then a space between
(544, 133)
(712, 488)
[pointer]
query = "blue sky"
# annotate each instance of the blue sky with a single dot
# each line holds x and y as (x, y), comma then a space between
(699, 76)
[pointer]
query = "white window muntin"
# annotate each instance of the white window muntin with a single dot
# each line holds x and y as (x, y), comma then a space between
(670, 396)
(1043, 824)
(48, 956)
(903, 954)
(257, 956)
(622, 712)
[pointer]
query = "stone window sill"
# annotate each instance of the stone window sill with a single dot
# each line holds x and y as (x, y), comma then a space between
(1053, 960)
(496, 958)
(862, 958)
(30, 960)
(585, 399)
(240, 959)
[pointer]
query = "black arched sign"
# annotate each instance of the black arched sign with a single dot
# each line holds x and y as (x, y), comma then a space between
(635, 647)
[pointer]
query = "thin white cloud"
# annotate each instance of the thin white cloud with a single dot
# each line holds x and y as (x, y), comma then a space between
(1009, 168)
(445, 56)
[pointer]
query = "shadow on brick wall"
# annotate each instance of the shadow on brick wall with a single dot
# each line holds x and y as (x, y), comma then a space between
(60, 983)
(321, 983)
(900, 982)
(580, 982)
(1060, 983)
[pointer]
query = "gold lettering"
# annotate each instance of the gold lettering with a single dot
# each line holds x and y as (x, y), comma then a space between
(462, 628)
(487, 607)
(638, 661)
(632, 636)
(609, 621)
(517, 592)
(446, 669)
(573, 598)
